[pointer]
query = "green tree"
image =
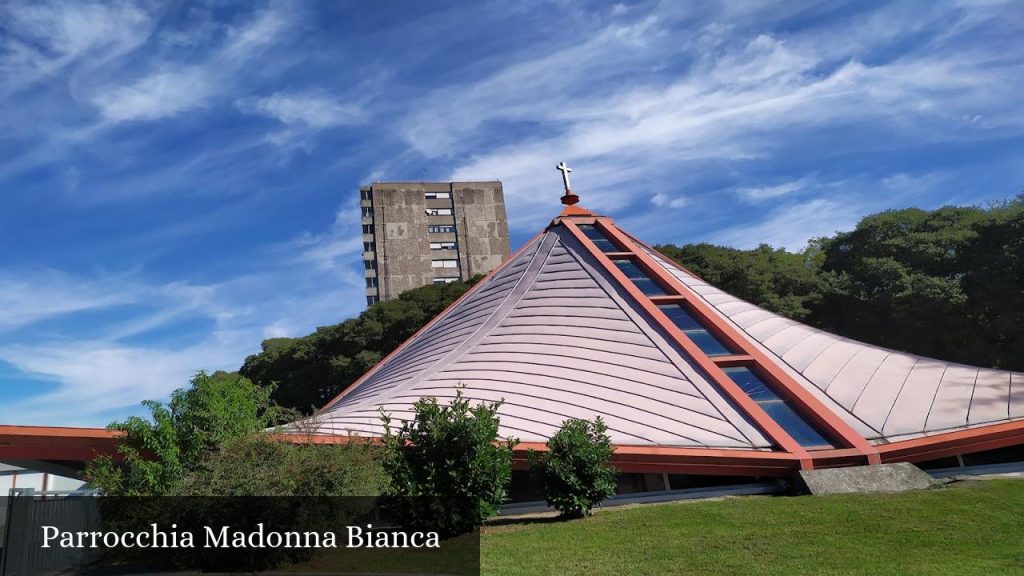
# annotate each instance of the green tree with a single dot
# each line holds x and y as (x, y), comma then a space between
(576, 473)
(448, 470)
(307, 372)
(784, 282)
(994, 286)
(946, 283)
(156, 452)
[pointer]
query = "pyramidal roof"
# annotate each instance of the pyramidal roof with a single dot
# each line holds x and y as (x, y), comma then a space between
(585, 320)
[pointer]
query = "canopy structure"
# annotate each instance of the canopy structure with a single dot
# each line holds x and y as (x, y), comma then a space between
(586, 320)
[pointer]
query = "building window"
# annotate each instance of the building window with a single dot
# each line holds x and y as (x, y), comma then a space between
(438, 195)
(445, 280)
(441, 229)
(439, 211)
(371, 282)
(780, 410)
(366, 194)
(645, 283)
(368, 247)
(367, 228)
(598, 238)
(367, 212)
(444, 263)
(694, 330)
(442, 245)
(370, 264)
(371, 300)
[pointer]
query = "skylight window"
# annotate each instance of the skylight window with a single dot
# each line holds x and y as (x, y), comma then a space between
(598, 238)
(779, 409)
(695, 331)
(645, 283)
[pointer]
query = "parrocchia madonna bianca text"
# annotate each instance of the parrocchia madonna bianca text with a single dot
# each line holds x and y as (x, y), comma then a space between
(226, 537)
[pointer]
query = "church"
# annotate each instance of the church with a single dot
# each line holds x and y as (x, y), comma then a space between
(587, 320)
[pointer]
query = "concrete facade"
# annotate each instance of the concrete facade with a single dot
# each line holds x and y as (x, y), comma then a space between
(418, 233)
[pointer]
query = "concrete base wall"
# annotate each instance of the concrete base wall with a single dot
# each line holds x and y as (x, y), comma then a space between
(898, 477)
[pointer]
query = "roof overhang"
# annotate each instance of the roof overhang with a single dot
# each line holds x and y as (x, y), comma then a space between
(79, 445)
(53, 443)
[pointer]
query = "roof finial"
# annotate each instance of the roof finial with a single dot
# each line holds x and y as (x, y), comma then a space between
(569, 198)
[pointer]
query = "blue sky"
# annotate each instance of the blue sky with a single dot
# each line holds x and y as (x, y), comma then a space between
(179, 180)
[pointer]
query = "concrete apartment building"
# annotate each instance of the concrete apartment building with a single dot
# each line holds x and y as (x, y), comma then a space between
(417, 233)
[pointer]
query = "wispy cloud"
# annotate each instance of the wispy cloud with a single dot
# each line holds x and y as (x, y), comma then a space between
(135, 354)
(44, 38)
(310, 110)
(761, 193)
(176, 86)
(662, 200)
(742, 97)
(303, 115)
(791, 226)
(31, 296)
(333, 249)
(96, 378)
(160, 95)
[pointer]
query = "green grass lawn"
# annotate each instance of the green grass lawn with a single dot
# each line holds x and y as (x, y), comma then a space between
(970, 528)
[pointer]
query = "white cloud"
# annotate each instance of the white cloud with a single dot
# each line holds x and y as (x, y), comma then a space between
(791, 226)
(333, 249)
(112, 362)
(173, 87)
(903, 182)
(311, 110)
(29, 297)
(51, 36)
(760, 193)
(742, 98)
(247, 41)
(160, 95)
(304, 115)
(662, 200)
(97, 377)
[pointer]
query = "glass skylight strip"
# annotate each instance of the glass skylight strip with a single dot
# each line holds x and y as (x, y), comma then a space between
(645, 283)
(695, 331)
(598, 238)
(778, 408)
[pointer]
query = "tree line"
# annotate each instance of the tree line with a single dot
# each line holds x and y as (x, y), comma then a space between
(945, 283)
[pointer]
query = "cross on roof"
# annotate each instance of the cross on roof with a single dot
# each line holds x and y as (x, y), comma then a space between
(564, 169)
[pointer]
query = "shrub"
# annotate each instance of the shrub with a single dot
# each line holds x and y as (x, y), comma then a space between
(259, 465)
(576, 472)
(448, 470)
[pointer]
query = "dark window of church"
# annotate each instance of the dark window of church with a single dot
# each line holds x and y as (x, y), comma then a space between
(694, 330)
(645, 283)
(777, 408)
(598, 238)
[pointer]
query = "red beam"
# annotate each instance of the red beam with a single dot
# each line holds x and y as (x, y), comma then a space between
(954, 443)
(56, 443)
(766, 424)
(809, 405)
